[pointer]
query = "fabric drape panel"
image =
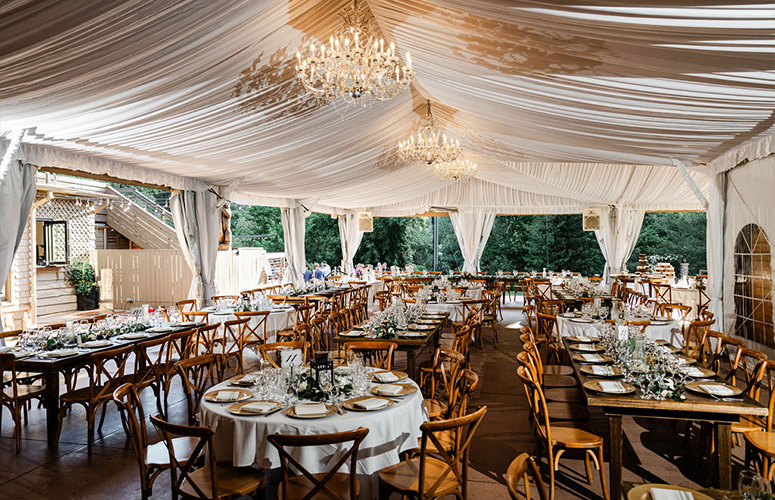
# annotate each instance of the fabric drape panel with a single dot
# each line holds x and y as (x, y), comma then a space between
(618, 235)
(715, 247)
(472, 230)
(197, 223)
(294, 225)
(350, 238)
(17, 193)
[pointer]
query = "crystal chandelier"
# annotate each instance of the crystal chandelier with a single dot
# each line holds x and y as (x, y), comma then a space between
(354, 63)
(459, 168)
(428, 144)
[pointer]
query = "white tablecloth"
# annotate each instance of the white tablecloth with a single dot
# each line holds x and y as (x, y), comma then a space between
(455, 310)
(670, 332)
(687, 297)
(278, 319)
(374, 287)
(391, 432)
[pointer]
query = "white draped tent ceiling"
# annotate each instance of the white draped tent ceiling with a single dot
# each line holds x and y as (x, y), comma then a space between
(563, 105)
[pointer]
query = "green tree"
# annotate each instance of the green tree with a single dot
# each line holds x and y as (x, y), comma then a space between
(321, 240)
(674, 234)
(257, 226)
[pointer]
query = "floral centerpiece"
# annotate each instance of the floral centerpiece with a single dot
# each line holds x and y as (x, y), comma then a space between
(307, 387)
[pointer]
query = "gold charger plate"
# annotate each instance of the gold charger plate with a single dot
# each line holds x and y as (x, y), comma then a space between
(350, 403)
(643, 492)
(696, 388)
(706, 373)
(242, 395)
(330, 410)
(594, 385)
(588, 340)
(688, 361)
(587, 370)
(236, 408)
(401, 376)
(407, 389)
(604, 359)
(235, 381)
(590, 348)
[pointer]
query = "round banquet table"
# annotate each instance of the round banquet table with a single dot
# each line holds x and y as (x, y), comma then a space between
(686, 296)
(671, 331)
(391, 431)
(455, 309)
(278, 319)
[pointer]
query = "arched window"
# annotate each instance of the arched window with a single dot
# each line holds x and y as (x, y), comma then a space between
(753, 286)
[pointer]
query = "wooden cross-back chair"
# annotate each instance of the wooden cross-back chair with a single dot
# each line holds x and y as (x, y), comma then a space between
(518, 471)
(268, 351)
(197, 374)
(196, 316)
(693, 342)
(435, 475)
(232, 346)
(556, 439)
(216, 298)
(319, 332)
(473, 314)
(331, 485)
(383, 298)
(14, 395)
(106, 372)
(152, 459)
(440, 382)
(543, 289)
(213, 481)
(549, 329)
(301, 328)
(187, 305)
(255, 328)
(179, 346)
(662, 292)
(760, 443)
(553, 307)
(150, 364)
(375, 353)
(490, 312)
(206, 338)
(556, 381)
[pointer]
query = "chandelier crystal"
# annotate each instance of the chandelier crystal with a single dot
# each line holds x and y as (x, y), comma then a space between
(428, 145)
(354, 63)
(459, 168)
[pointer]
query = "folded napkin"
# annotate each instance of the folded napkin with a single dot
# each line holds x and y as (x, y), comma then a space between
(615, 387)
(603, 370)
(247, 379)
(371, 403)
(226, 396)
(390, 389)
(386, 377)
(310, 409)
(670, 494)
(583, 338)
(592, 357)
(342, 370)
(692, 372)
(717, 389)
(58, 354)
(6, 348)
(259, 407)
(585, 347)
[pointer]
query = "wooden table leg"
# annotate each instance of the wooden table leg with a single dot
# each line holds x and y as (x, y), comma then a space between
(615, 443)
(51, 398)
(410, 364)
(724, 454)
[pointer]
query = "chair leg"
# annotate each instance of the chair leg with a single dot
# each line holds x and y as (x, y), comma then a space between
(102, 418)
(601, 467)
(17, 431)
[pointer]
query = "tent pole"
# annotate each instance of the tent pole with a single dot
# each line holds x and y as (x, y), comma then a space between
(690, 182)
(435, 224)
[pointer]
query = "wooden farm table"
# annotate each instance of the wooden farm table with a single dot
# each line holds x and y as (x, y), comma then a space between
(51, 368)
(722, 414)
(411, 346)
(715, 494)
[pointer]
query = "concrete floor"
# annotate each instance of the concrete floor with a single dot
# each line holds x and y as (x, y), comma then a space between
(653, 450)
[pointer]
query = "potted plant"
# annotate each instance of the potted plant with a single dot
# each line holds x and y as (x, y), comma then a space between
(81, 276)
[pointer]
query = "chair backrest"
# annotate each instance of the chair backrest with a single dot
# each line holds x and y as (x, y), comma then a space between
(469, 380)
(447, 364)
(255, 328)
(642, 323)
(768, 379)
(133, 417)
(321, 486)
(662, 291)
(150, 354)
(519, 469)
(463, 340)
(204, 340)
(383, 297)
(547, 306)
(107, 371)
(537, 404)
(748, 368)
(376, 353)
(196, 375)
(8, 366)
(187, 305)
(678, 312)
(197, 316)
(455, 461)
(267, 350)
(179, 346)
(547, 326)
(234, 334)
(216, 298)
(203, 449)
(693, 342)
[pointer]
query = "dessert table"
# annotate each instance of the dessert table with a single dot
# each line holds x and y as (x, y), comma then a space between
(392, 431)
(669, 331)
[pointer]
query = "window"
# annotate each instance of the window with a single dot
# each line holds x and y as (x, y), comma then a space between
(753, 286)
(51, 245)
(5, 291)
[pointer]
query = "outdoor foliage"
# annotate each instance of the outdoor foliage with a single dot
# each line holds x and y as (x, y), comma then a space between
(81, 276)
(517, 243)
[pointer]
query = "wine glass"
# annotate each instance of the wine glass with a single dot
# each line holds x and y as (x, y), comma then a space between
(750, 483)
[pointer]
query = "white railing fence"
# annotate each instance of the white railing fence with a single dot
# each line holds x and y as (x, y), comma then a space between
(161, 277)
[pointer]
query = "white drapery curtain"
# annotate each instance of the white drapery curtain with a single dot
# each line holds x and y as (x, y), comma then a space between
(472, 230)
(294, 225)
(350, 238)
(715, 247)
(197, 223)
(17, 192)
(619, 230)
